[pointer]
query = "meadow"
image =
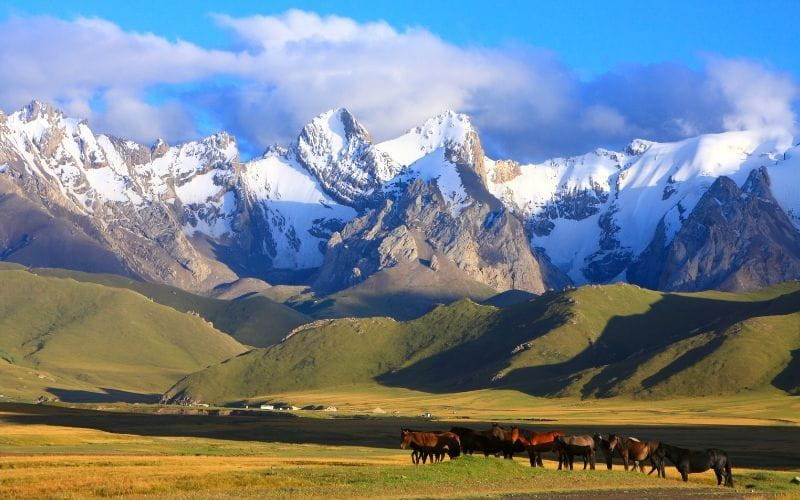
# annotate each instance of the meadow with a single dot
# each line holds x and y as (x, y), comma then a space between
(141, 450)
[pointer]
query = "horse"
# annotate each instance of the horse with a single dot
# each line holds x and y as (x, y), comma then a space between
(569, 446)
(433, 444)
(636, 451)
(509, 439)
(537, 442)
(689, 462)
(607, 446)
(472, 440)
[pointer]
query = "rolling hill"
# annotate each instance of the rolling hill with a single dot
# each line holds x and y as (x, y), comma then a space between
(253, 320)
(86, 341)
(593, 341)
(405, 291)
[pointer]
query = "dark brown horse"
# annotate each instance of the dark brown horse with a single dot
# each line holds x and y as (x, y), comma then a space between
(472, 441)
(509, 439)
(569, 446)
(536, 443)
(689, 462)
(636, 451)
(607, 447)
(430, 444)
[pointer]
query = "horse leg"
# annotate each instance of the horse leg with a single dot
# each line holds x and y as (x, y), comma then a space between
(641, 466)
(539, 459)
(718, 473)
(592, 459)
(684, 475)
(653, 466)
(728, 473)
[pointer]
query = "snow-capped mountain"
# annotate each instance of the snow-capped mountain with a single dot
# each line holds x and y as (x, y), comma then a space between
(594, 214)
(194, 215)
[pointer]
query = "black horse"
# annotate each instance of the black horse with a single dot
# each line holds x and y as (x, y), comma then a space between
(688, 462)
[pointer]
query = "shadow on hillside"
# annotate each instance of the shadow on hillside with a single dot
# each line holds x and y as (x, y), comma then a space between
(749, 446)
(789, 379)
(624, 344)
(107, 396)
(471, 364)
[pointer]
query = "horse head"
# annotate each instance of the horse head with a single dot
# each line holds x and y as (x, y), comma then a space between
(405, 439)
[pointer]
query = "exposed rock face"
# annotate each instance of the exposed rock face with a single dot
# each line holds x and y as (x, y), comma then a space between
(334, 208)
(734, 239)
(505, 171)
(490, 247)
(337, 150)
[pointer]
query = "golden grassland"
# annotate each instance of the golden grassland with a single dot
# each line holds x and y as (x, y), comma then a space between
(154, 451)
(766, 408)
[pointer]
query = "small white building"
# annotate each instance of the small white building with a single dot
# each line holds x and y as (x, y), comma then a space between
(267, 407)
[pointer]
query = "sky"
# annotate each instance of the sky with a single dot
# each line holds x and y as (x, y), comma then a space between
(539, 79)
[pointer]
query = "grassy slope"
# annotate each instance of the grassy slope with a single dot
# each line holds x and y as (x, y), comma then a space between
(592, 341)
(83, 335)
(403, 292)
(255, 320)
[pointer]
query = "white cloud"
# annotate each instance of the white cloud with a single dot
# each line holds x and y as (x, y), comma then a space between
(285, 69)
(759, 98)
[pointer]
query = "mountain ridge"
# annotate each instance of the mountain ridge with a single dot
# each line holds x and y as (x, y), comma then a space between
(195, 216)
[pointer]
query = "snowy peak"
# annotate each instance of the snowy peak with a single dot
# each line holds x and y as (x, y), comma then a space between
(448, 130)
(336, 149)
(638, 146)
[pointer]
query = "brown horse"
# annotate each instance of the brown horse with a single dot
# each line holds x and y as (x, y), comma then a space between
(636, 451)
(569, 446)
(537, 442)
(433, 444)
(689, 461)
(509, 439)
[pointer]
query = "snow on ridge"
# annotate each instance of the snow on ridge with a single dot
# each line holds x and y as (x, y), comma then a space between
(296, 204)
(660, 180)
(446, 128)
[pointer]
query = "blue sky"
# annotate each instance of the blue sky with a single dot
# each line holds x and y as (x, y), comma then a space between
(576, 74)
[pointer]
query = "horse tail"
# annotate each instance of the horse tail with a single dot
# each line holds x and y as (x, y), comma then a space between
(728, 473)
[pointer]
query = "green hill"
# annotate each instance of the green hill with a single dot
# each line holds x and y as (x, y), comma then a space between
(594, 341)
(253, 320)
(83, 341)
(402, 292)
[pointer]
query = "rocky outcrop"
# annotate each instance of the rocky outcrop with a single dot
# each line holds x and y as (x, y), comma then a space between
(488, 246)
(734, 239)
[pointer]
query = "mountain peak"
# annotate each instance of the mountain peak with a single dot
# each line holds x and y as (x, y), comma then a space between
(638, 146)
(336, 122)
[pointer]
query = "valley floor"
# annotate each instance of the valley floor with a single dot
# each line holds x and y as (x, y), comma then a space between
(155, 451)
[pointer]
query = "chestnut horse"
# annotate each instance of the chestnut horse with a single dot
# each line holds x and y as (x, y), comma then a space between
(636, 451)
(689, 461)
(434, 444)
(537, 442)
(569, 446)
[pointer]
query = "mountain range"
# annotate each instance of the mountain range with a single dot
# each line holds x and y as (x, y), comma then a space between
(335, 210)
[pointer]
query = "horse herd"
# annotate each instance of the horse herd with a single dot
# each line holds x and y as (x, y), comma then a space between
(433, 446)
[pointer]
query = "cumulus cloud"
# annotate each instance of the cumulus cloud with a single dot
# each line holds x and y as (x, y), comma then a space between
(282, 70)
(758, 98)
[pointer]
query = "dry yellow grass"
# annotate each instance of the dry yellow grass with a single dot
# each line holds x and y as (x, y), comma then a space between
(57, 452)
